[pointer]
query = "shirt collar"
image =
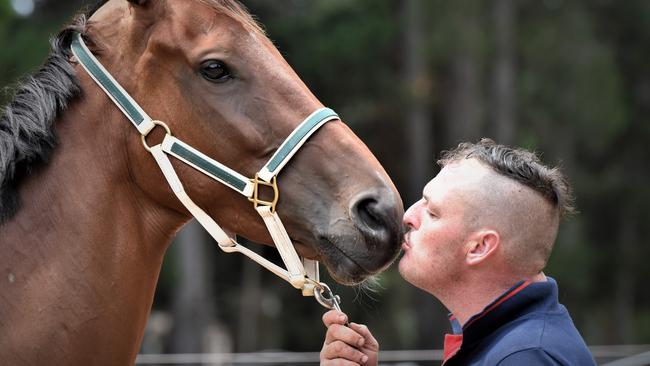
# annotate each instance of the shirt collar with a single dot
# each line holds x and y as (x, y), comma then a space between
(454, 341)
(499, 300)
(508, 306)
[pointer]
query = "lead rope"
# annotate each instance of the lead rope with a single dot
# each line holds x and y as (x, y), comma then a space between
(302, 273)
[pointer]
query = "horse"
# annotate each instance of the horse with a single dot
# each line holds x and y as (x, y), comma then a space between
(85, 213)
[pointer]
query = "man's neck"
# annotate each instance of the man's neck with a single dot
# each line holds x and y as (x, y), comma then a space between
(465, 301)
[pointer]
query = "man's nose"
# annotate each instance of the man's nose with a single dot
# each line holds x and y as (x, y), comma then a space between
(410, 219)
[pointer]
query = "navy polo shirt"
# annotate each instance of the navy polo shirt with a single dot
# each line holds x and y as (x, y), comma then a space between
(524, 326)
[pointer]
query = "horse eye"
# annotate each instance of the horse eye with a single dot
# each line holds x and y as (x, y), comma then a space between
(215, 71)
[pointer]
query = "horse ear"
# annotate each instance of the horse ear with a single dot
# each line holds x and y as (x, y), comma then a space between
(138, 2)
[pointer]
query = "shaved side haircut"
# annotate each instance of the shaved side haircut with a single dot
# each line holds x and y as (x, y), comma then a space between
(529, 225)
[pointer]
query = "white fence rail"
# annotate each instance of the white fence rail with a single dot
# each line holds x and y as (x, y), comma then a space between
(613, 355)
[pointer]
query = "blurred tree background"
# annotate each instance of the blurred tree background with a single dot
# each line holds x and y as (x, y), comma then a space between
(569, 79)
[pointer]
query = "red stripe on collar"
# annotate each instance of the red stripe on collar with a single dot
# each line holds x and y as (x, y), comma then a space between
(498, 302)
(453, 342)
(452, 346)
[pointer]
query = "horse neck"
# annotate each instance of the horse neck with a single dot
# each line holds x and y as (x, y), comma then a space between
(80, 260)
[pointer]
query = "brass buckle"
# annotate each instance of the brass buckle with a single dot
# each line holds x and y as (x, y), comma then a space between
(256, 200)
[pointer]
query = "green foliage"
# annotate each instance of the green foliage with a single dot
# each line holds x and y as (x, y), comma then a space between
(581, 93)
(25, 41)
(335, 48)
(570, 81)
(5, 11)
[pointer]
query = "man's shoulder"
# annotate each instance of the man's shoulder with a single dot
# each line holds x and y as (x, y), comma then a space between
(530, 356)
(547, 337)
(521, 334)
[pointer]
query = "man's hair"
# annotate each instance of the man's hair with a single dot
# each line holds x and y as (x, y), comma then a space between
(527, 251)
(520, 165)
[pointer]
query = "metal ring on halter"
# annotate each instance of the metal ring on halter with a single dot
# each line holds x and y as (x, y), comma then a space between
(156, 123)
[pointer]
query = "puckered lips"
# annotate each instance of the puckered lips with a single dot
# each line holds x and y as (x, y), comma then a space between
(406, 243)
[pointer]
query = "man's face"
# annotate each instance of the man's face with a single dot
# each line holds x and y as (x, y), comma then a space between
(433, 248)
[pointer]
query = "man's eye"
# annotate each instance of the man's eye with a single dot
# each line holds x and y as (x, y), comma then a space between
(215, 71)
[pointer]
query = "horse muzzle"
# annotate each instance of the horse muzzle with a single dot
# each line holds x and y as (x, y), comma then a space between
(366, 240)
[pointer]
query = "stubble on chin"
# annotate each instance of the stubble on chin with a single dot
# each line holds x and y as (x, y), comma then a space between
(409, 272)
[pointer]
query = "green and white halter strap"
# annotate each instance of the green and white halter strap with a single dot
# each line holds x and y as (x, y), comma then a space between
(302, 273)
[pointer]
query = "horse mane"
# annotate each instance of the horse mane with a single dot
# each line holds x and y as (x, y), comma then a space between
(27, 135)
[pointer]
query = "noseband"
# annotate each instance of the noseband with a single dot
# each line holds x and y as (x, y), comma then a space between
(300, 273)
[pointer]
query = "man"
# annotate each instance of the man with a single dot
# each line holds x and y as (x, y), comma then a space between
(478, 241)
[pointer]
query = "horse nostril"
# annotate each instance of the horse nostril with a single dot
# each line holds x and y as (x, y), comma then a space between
(368, 214)
(377, 215)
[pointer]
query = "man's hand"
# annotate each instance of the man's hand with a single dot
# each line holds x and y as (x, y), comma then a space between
(347, 345)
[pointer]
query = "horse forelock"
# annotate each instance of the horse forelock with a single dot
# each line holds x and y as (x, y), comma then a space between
(237, 11)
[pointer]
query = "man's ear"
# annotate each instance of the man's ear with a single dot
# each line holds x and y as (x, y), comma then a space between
(482, 246)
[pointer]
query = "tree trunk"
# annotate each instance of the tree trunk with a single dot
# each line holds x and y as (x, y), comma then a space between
(625, 283)
(193, 298)
(503, 104)
(465, 107)
(419, 120)
(251, 294)
(420, 144)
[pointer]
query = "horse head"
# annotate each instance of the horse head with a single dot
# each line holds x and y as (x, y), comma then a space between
(209, 71)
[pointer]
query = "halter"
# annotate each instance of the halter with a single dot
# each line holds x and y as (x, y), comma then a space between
(301, 273)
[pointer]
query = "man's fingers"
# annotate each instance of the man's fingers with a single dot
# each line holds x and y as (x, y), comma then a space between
(338, 332)
(334, 317)
(365, 333)
(342, 350)
(346, 345)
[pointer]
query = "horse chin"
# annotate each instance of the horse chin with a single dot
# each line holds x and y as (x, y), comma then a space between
(346, 271)
(305, 250)
(342, 266)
